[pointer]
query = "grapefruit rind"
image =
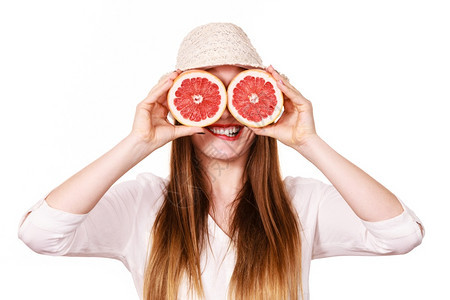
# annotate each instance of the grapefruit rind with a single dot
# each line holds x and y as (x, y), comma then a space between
(278, 93)
(177, 84)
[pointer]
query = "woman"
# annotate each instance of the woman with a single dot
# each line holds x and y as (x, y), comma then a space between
(224, 223)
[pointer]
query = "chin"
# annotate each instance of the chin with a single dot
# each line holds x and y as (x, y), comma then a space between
(217, 148)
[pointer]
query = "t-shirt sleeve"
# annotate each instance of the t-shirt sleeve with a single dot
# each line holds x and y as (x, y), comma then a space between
(103, 232)
(339, 231)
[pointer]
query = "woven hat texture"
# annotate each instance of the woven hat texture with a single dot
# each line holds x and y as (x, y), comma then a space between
(216, 44)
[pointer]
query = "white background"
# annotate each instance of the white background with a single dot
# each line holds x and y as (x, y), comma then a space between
(377, 73)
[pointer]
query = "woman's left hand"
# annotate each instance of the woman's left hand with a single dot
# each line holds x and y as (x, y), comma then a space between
(296, 125)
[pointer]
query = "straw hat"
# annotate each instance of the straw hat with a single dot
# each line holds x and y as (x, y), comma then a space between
(217, 44)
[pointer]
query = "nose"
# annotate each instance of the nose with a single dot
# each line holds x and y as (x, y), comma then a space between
(226, 114)
(227, 117)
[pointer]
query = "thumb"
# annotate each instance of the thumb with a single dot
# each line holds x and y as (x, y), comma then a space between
(266, 130)
(181, 130)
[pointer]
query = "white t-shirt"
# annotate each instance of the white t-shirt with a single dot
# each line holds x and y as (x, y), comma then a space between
(119, 227)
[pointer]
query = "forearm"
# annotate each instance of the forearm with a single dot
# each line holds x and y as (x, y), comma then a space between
(81, 192)
(370, 200)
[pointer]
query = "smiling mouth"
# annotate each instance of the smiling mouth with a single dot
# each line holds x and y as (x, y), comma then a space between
(231, 131)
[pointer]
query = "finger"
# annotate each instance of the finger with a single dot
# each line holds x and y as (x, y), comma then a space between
(292, 93)
(162, 99)
(268, 130)
(160, 111)
(181, 130)
(294, 96)
(164, 104)
(159, 92)
(170, 74)
(277, 75)
(281, 79)
(288, 105)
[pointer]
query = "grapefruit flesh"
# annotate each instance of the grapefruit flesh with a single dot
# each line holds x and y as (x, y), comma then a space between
(254, 98)
(197, 98)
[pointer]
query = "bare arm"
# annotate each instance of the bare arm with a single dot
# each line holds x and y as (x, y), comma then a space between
(81, 192)
(151, 130)
(370, 200)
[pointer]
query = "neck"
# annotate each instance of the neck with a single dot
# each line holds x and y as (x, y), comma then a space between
(226, 177)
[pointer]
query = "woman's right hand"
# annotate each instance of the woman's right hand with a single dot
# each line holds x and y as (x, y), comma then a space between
(151, 126)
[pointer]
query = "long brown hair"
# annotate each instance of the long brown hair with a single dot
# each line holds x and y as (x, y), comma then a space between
(265, 231)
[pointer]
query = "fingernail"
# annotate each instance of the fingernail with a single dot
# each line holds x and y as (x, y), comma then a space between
(281, 82)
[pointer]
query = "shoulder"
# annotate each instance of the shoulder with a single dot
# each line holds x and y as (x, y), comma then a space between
(151, 186)
(306, 194)
(143, 183)
(300, 184)
(145, 193)
(150, 180)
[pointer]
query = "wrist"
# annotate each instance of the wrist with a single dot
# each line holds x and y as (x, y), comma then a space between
(307, 147)
(138, 148)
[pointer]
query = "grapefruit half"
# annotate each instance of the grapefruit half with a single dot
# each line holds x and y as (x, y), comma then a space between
(254, 98)
(197, 98)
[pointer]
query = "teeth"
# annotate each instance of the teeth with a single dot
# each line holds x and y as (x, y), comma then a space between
(230, 131)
